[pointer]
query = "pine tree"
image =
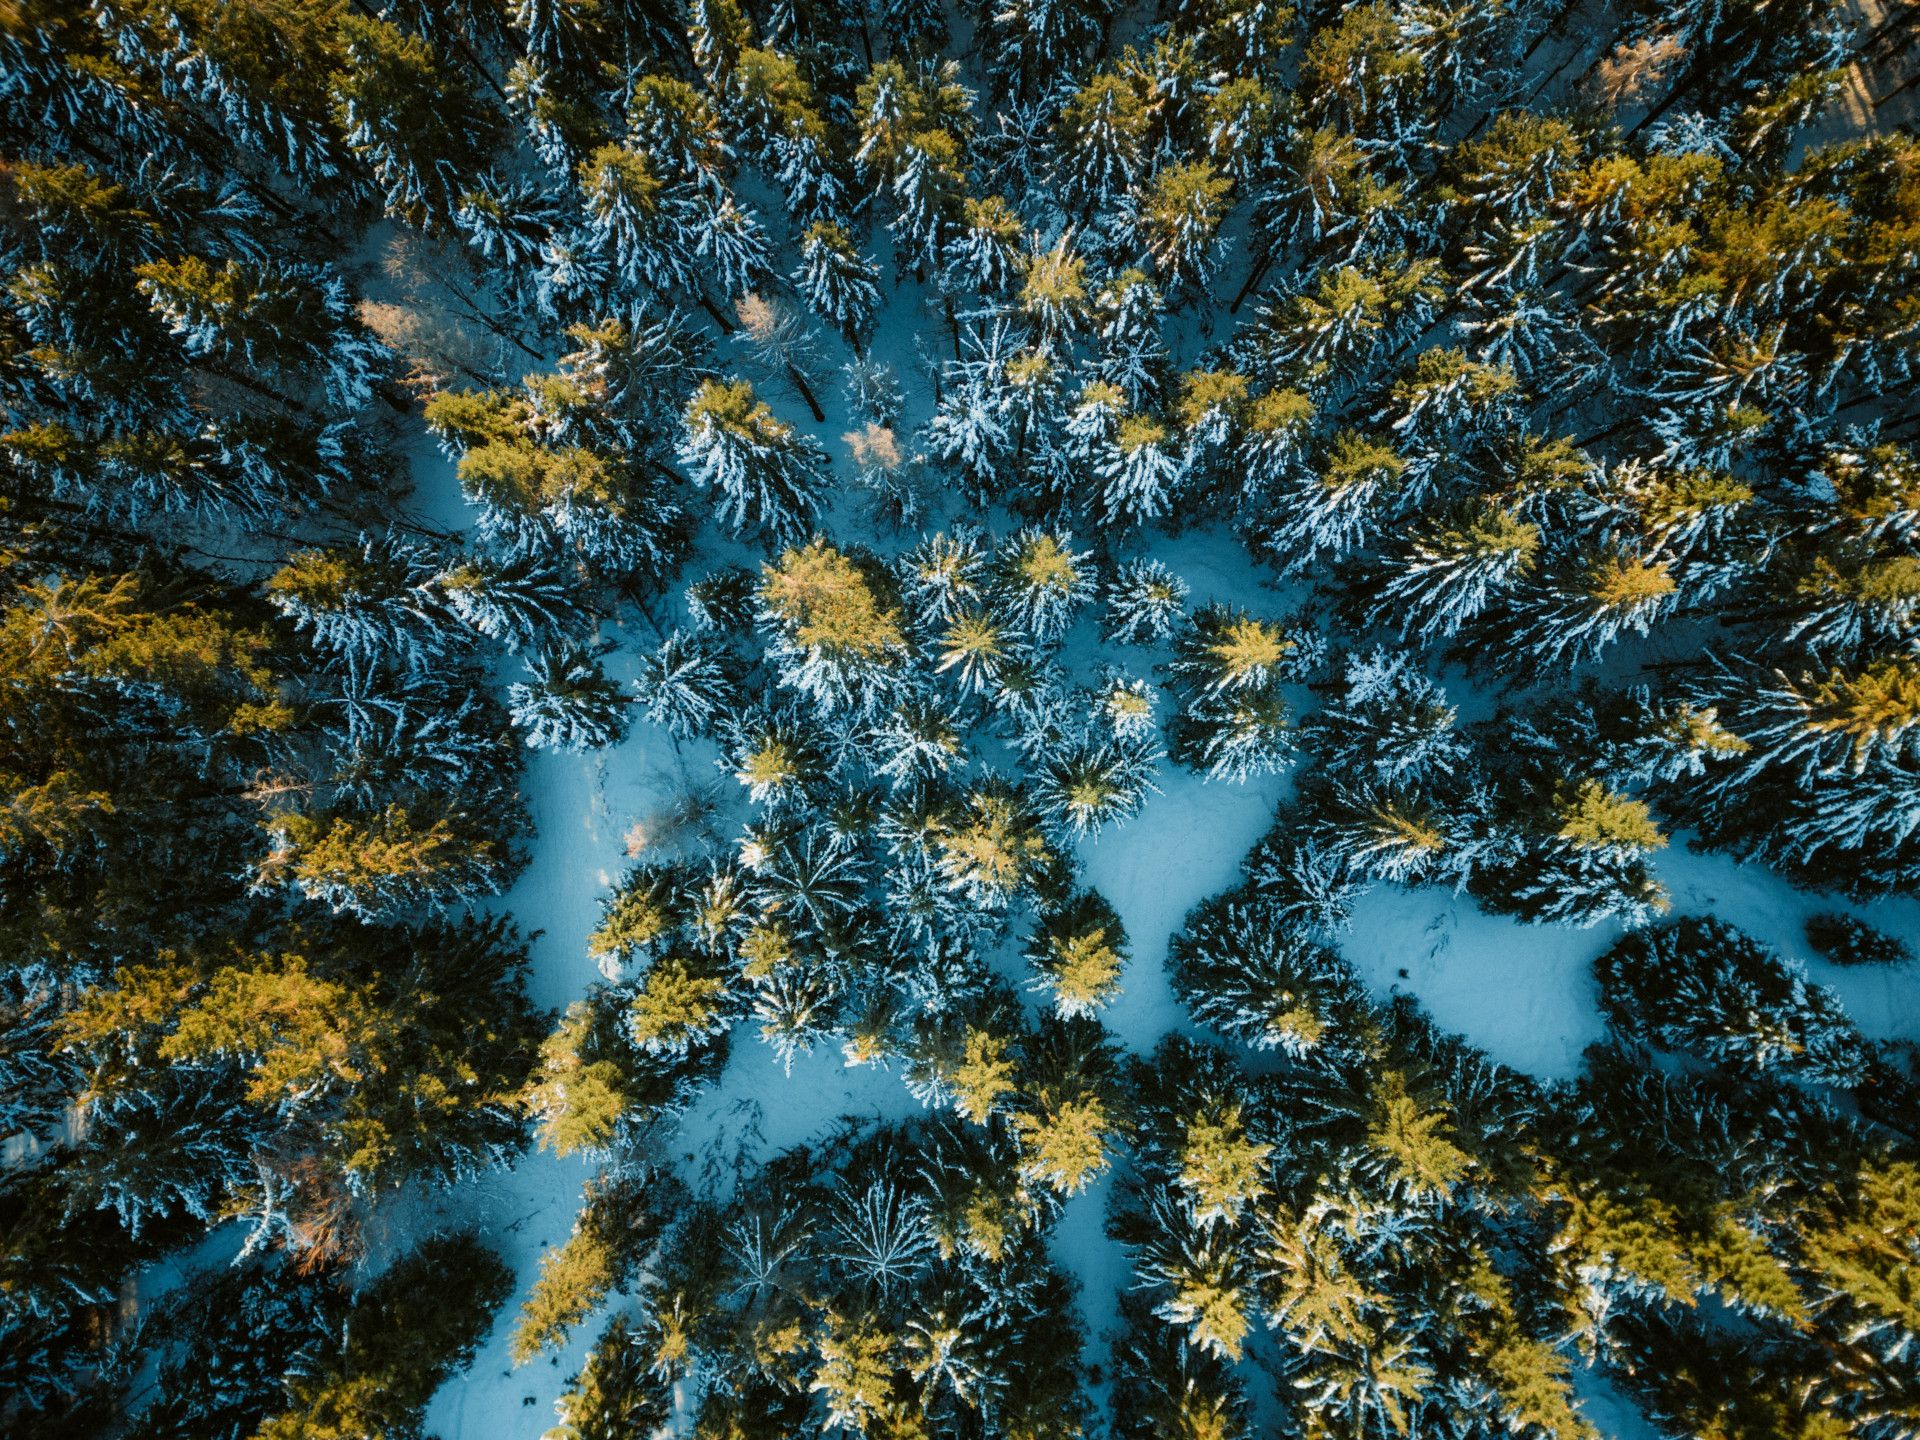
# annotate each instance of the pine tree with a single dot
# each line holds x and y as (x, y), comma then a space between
(1456, 569)
(775, 753)
(1701, 985)
(412, 118)
(685, 685)
(508, 225)
(1701, 1379)
(1222, 1170)
(620, 1220)
(1128, 708)
(676, 1006)
(1327, 515)
(616, 1392)
(568, 703)
(856, 1377)
(728, 243)
(1069, 1121)
(629, 220)
(1087, 782)
(1340, 324)
(579, 1100)
(918, 741)
(1403, 835)
(1363, 79)
(989, 847)
(781, 342)
(1167, 1389)
(978, 651)
(1244, 116)
(839, 283)
(157, 1155)
(420, 1322)
(1053, 291)
(227, 1343)
(209, 58)
(1224, 651)
(394, 859)
(988, 247)
(1587, 860)
(1235, 735)
(375, 601)
(970, 425)
(1177, 216)
(1132, 355)
(1309, 1288)
(1141, 471)
(1273, 433)
(1144, 603)
(518, 601)
(1603, 597)
(1103, 128)
(274, 321)
(1848, 940)
(1392, 721)
(541, 477)
(840, 636)
(768, 474)
(1029, 43)
(1079, 950)
(1530, 1376)
(927, 194)
(1205, 1284)
(1241, 969)
(1040, 579)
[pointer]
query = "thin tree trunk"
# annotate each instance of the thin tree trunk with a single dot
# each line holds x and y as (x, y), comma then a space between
(1656, 112)
(1902, 18)
(727, 327)
(1597, 436)
(480, 68)
(1254, 277)
(478, 313)
(806, 392)
(1911, 81)
(1554, 74)
(1546, 31)
(460, 42)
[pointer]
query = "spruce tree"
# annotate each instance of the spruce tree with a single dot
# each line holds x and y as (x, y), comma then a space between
(568, 703)
(1078, 949)
(767, 475)
(411, 117)
(1702, 986)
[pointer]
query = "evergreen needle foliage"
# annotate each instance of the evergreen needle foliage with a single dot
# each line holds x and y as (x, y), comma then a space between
(1481, 435)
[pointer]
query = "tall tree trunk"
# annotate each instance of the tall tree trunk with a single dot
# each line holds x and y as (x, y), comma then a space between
(1254, 277)
(1554, 74)
(1906, 85)
(799, 382)
(1903, 16)
(727, 327)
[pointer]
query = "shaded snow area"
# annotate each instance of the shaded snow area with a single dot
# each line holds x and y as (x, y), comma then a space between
(1523, 993)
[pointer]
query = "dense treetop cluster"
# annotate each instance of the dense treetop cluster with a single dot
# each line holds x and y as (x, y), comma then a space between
(1553, 362)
